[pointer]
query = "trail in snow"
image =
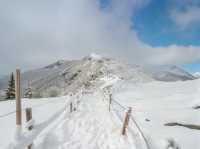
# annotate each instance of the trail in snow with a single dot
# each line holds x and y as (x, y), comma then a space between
(92, 126)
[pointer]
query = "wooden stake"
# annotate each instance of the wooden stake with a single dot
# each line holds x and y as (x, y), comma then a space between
(126, 121)
(18, 99)
(28, 118)
(110, 101)
(71, 107)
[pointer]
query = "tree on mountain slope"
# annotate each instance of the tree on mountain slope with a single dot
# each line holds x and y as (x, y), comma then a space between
(10, 91)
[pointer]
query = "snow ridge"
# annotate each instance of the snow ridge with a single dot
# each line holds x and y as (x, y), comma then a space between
(64, 76)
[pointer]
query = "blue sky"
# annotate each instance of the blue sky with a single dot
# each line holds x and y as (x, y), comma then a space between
(104, 3)
(193, 67)
(154, 25)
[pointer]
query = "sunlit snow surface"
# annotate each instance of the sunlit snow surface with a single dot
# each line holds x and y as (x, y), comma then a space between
(43, 109)
(161, 103)
(92, 126)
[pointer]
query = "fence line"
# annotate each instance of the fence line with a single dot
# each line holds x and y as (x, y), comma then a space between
(134, 121)
(123, 107)
(34, 106)
(139, 129)
(7, 114)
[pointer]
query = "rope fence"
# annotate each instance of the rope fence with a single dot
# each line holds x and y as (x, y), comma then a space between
(124, 109)
(33, 106)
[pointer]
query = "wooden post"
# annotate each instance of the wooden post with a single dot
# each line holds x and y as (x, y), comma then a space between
(30, 94)
(110, 101)
(126, 121)
(28, 118)
(18, 99)
(71, 107)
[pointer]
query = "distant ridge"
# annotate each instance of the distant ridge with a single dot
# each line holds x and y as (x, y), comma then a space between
(66, 76)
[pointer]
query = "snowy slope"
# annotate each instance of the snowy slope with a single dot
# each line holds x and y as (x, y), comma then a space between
(168, 73)
(43, 77)
(92, 126)
(157, 103)
(67, 76)
(43, 110)
(64, 76)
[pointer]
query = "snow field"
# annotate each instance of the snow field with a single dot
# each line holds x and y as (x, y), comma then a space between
(43, 110)
(91, 127)
(157, 103)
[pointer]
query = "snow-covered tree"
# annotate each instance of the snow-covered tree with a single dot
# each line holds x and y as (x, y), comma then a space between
(10, 92)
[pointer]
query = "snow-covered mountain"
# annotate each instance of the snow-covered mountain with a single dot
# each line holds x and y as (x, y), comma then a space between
(66, 76)
(169, 73)
(196, 74)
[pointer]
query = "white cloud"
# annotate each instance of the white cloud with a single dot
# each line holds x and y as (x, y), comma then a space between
(34, 33)
(174, 54)
(186, 18)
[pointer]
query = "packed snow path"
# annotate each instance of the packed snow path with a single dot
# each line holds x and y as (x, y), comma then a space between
(92, 126)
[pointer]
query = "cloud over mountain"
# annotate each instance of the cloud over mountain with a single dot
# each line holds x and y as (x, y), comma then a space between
(38, 32)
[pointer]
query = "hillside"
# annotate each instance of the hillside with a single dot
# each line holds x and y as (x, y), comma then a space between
(169, 73)
(65, 76)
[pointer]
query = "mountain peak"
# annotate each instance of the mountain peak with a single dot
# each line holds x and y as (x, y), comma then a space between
(95, 56)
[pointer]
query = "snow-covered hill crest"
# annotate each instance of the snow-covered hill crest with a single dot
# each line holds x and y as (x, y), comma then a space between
(169, 73)
(65, 76)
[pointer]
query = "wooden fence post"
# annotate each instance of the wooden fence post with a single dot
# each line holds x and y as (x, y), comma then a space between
(71, 107)
(28, 118)
(30, 94)
(126, 121)
(18, 99)
(110, 101)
